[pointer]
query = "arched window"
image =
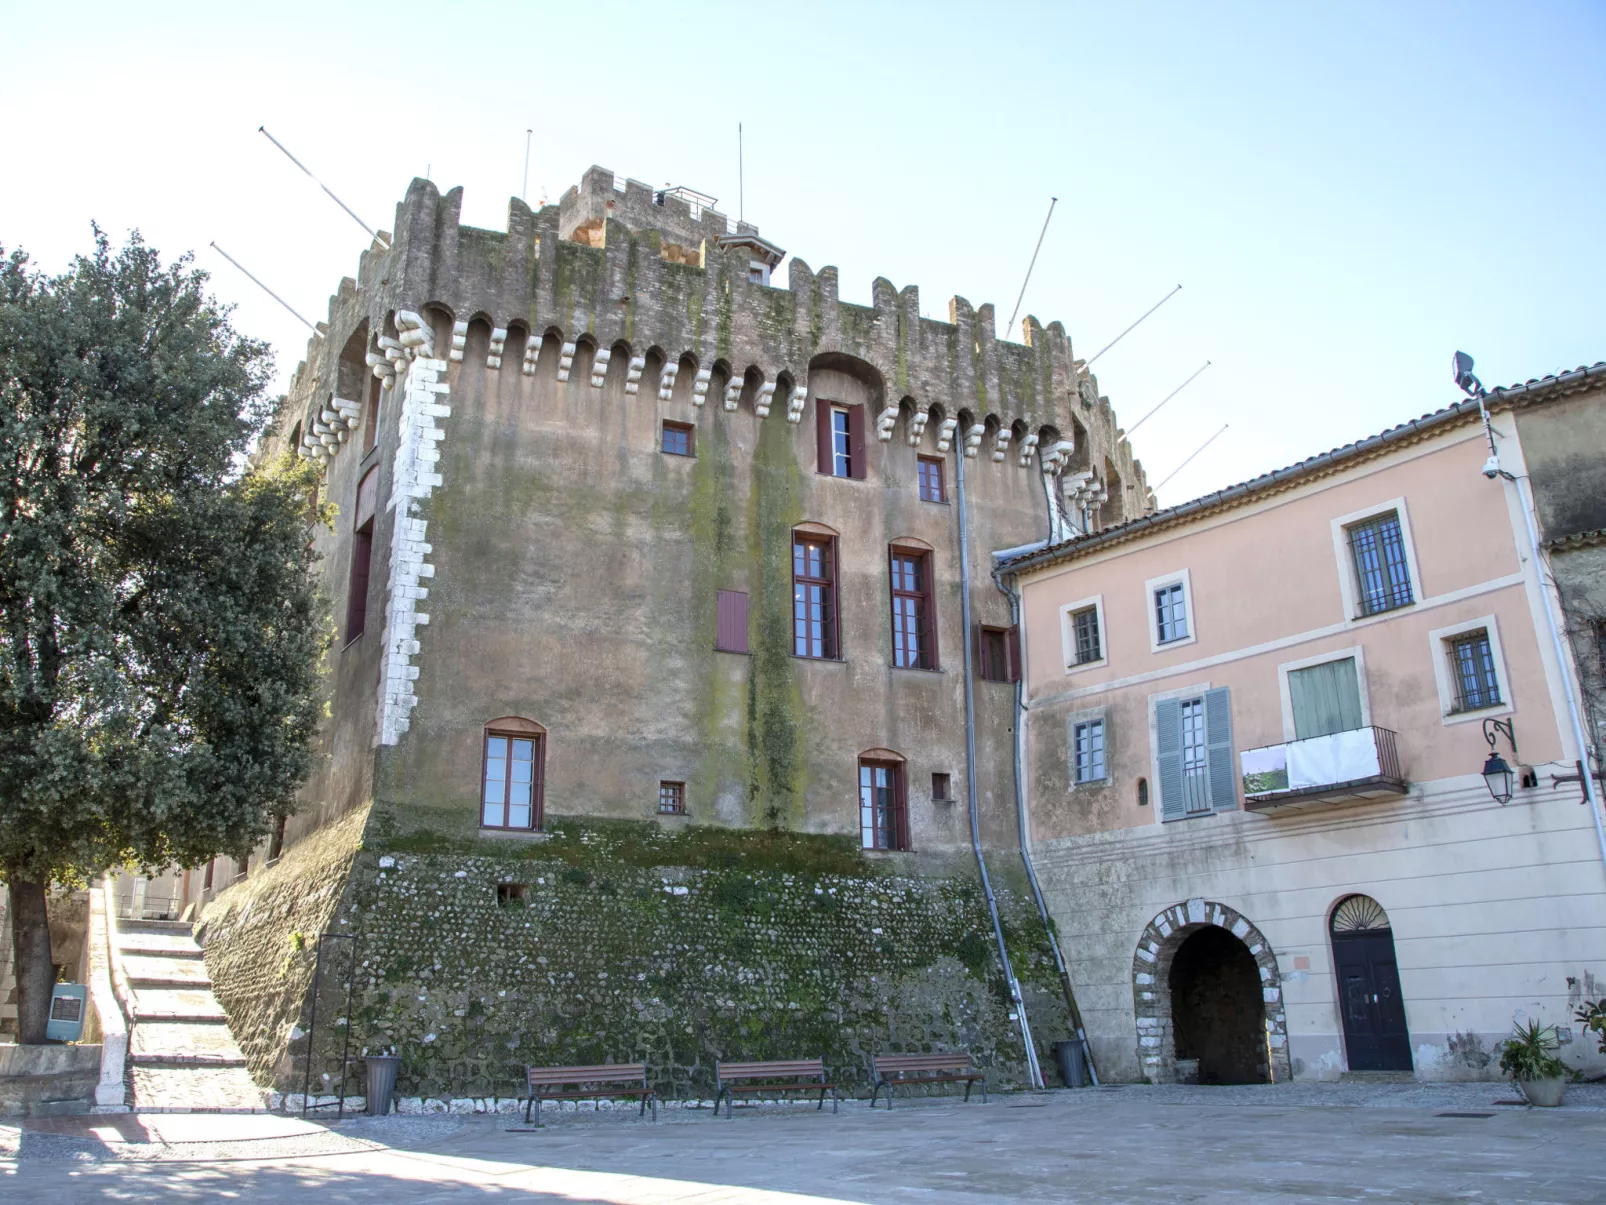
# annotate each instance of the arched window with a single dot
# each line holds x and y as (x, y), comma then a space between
(883, 801)
(511, 774)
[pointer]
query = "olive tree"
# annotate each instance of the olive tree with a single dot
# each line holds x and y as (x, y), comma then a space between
(160, 629)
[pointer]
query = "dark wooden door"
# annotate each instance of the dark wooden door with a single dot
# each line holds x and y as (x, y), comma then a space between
(1369, 995)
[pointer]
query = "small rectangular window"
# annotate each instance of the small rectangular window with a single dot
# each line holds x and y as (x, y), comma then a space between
(671, 799)
(1472, 666)
(370, 422)
(1170, 613)
(730, 623)
(1089, 751)
(1382, 580)
(913, 636)
(511, 895)
(680, 439)
(814, 596)
(1085, 624)
(882, 820)
(999, 654)
(362, 555)
(930, 469)
(942, 786)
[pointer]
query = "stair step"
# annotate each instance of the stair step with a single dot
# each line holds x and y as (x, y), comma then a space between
(204, 1043)
(190, 953)
(153, 926)
(176, 1004)
(1377, 1077)
(188, 1060)
(195, 1089)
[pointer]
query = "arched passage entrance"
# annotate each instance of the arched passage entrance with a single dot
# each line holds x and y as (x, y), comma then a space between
(1375, 1033)
(1209, 998)
(1217, 1015)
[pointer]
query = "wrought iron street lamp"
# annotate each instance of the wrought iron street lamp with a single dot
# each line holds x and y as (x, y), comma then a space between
(1498, 776)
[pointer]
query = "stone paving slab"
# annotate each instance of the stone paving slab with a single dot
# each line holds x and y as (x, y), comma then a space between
(195, 1089)
(1117, 1145)
(178, 945)
(166, 1004)
(174, 1041)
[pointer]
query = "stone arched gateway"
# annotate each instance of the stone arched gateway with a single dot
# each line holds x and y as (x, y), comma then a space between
(1151, 984)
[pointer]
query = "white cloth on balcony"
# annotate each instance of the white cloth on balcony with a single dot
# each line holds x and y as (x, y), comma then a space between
(1337, 757)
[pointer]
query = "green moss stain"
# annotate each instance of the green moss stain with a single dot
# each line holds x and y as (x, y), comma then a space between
(777, 779)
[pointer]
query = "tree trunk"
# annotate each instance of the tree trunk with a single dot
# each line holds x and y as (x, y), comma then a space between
(30, 959)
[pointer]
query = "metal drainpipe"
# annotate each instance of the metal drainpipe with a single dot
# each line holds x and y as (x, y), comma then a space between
(1019, 1006)
(1025, 849)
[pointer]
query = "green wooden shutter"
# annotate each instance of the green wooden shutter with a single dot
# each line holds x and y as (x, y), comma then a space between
(1219, 760)
(1326, 698)
(1168, 747)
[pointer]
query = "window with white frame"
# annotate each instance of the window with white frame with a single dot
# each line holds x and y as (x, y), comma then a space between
(1169, 601)
(1082, 633)
(1087, 751)
(1470, 669)
(1382, 577)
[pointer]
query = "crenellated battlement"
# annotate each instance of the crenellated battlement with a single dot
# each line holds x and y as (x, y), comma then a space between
(659, 282)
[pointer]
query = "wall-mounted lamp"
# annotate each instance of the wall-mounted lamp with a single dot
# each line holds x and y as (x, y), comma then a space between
(1497, 775)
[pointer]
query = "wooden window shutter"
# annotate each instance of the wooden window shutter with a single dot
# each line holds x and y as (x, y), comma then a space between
(730, 626)
(900, 794)
(984, 663)
(1218, 750)
(856, 456)
(822, 435)
(1012, 649)
(1168, 748)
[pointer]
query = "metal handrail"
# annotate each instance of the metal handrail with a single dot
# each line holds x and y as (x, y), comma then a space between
(1383, 740)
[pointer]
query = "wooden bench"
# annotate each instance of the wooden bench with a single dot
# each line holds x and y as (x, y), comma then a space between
(784, 1075)
(890, 1069)
(589, 1083)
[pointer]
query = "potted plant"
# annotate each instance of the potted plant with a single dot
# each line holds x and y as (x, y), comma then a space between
(1529, 1057)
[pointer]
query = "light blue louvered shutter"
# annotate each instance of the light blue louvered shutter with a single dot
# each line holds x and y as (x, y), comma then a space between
(1168, 748)
(1218, 751)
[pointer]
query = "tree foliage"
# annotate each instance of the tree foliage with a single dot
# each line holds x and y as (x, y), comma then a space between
(160, 630)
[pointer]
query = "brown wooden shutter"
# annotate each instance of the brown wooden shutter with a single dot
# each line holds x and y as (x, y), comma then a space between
(929, 569)
(900, 808)
(835, 595)
(1012, 650)
(856, 456)
(730, 627)
(822, 435)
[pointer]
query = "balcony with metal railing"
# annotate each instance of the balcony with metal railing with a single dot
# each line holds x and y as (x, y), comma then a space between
(1362, 763)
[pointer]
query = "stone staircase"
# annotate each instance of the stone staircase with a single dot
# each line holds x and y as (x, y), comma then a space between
(182, 1057)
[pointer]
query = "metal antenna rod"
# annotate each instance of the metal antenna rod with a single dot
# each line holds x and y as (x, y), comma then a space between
(1010, 325)
(1166, 399)
(524, 193)
(1201, 448)
(741, 177)
(1131, 328)
(263, 130)
(263, 287)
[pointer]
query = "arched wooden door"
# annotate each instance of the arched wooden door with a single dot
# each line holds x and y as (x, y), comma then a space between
(1375, 1035)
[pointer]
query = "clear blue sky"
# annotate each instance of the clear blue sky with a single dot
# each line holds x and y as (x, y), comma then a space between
(1347, 192)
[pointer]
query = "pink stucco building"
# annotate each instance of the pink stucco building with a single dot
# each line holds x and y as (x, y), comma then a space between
(1255, 726)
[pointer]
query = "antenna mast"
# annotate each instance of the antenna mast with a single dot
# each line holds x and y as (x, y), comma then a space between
(1010, 325)
(741, 178)
(264, 287)
(1166, 399)
(1185, 463)
(524, 193)
(1134, 326)
(263, 130)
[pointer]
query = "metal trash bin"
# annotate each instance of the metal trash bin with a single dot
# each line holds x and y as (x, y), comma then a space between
(382, 1070)
(1072, 1059)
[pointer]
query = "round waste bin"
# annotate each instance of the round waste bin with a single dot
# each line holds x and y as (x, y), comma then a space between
(381, 1082)
(1072, 1059)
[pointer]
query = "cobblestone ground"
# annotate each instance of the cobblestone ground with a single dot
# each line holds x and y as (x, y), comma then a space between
(1322, 1143)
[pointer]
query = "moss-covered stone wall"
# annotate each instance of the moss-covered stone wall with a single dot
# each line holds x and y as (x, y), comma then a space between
(260, 940)
(617, 941)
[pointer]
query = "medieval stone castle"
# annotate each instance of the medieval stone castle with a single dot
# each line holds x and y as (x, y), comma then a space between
(673, 698)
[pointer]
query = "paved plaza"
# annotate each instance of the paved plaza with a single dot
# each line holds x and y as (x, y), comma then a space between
(1288, 1143)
